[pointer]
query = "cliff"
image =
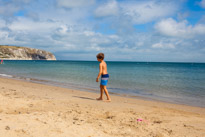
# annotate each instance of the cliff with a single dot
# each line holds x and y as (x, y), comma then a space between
(23, 53)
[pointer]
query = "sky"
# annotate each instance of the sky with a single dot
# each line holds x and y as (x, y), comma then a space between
(125, 30)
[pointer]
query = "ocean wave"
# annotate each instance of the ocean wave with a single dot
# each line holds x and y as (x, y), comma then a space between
(5, 75)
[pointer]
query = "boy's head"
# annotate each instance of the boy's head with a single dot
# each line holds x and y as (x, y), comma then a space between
(100, 56)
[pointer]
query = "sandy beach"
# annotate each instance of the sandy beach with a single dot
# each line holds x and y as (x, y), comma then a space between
(36, 110)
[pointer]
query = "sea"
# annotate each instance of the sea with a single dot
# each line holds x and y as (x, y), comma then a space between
(178, 83)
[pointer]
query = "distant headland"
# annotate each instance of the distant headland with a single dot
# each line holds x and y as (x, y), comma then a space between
(24, 53)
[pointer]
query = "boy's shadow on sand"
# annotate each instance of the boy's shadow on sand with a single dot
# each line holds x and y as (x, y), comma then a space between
(84, 98)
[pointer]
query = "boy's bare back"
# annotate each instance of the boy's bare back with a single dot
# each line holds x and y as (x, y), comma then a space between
(103, 67)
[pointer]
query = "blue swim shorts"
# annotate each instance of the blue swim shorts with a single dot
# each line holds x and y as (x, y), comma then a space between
(104, 79)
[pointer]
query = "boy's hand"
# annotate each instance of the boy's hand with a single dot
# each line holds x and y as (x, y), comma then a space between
(97, 80)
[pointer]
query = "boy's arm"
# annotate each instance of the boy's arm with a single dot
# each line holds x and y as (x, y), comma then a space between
(100, 72)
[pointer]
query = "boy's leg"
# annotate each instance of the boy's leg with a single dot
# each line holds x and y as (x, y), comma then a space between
(101, 93)
(106, 93)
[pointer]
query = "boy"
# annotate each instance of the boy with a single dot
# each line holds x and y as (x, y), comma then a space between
(104, 77)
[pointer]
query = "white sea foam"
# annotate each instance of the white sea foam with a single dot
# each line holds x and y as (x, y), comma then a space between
(5, 75)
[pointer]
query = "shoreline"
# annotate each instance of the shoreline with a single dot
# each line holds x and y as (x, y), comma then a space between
(116, 95)
(31, 109)
(91, 90)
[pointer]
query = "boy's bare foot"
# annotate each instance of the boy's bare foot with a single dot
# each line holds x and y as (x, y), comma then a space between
(99, 98)
(108, 100)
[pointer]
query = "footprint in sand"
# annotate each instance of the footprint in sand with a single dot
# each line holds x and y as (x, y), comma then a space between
(169, 131)
(30, 105)
(7, 128)
(108, 115)
(12, 89)
(157, 122)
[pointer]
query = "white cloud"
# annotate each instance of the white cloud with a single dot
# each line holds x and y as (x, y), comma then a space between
(182, 16)
(163, 45)
(108, 9)
(74, 3)
(27, 25)
(202, 3)
(12, 9)
(51, 35)
(146, 11)
(22, 1)
(69, 29)
(33, 16)
(3, 35)
(202, 20)
(2, 23)
(138, 12)
(89, 33)
(8, 8)
(170, 27)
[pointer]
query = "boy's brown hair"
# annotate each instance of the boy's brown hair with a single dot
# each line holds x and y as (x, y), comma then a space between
(100, 56)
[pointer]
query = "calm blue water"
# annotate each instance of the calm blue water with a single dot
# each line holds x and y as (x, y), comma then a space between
(182, 83)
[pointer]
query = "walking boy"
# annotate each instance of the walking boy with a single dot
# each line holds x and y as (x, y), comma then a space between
(104, 77)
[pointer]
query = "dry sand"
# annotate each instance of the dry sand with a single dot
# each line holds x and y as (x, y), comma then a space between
(36, 110)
